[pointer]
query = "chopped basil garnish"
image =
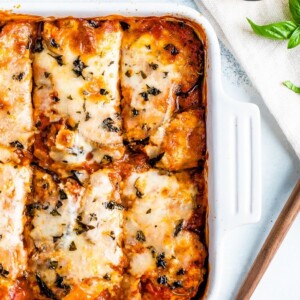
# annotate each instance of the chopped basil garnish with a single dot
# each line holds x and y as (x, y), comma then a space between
(144, 76)
(113, 205)
(87, 116)
(172, 49)
(135, 112)
(82, 227)
(108, 124)
(19, 76)
(62, 195)
(138, 193)
(103, 92)
(61, 285)
(128, 73)
(93, 217)
(53, 43)
(78, 67)
(58, 204)
(153, 91)
(176, 284)
(58, 58)
(153, 66)
(178, 227)
(152, 250)
(180, 272)
(3, 272)
(53, 264)
(140, 236)
(162, 279)
(30, 208)
(55, 98)
(150, 91)
(160, 260)
(56, 238)
(55, 213)
(16, 144)
(44, 290)
(144, 96)
(72, 246)
(112, 235)
(106, 159)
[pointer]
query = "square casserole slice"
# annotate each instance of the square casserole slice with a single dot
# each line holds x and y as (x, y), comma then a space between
(14, 189)
(165, 213)
(15, 90)
(76, 94)
(161, 79)
(74, 237)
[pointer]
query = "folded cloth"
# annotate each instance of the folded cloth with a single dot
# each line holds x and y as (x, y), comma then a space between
(268, 63)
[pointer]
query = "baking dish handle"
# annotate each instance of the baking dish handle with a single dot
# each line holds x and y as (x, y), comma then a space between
(241, 141)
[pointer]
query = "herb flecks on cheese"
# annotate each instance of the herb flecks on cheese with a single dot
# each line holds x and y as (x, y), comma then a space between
(16, 123)
(80, 100)
(158, 243)
(79, 238)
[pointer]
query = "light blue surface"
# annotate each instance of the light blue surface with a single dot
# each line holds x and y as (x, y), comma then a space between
(280, 169)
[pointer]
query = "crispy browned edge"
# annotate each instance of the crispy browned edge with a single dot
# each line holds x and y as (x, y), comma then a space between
(6, 16)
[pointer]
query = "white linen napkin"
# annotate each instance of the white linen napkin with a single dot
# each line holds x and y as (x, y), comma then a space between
(267, 62)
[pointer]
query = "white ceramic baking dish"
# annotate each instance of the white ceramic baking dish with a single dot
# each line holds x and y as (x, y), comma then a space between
(233, 128)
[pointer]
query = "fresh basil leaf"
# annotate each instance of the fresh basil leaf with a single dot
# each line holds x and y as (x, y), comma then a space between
(291, 86)
(294, 6)
(276, 31)
(294, 40)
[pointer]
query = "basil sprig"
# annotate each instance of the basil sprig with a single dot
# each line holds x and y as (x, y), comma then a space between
(291, 86)
(285, 30)
(294, 40)
(294, 6)
(275, 31)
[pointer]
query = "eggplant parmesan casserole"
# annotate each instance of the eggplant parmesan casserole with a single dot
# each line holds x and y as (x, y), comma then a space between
(102, 159)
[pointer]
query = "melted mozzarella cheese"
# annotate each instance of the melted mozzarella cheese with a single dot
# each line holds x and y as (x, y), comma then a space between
(14, 187)
(82, 234)
(160, 68)
(144, 69)
(15, 89)
(77, 84)
(79, 238)
(182, 142)
(156, 242)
